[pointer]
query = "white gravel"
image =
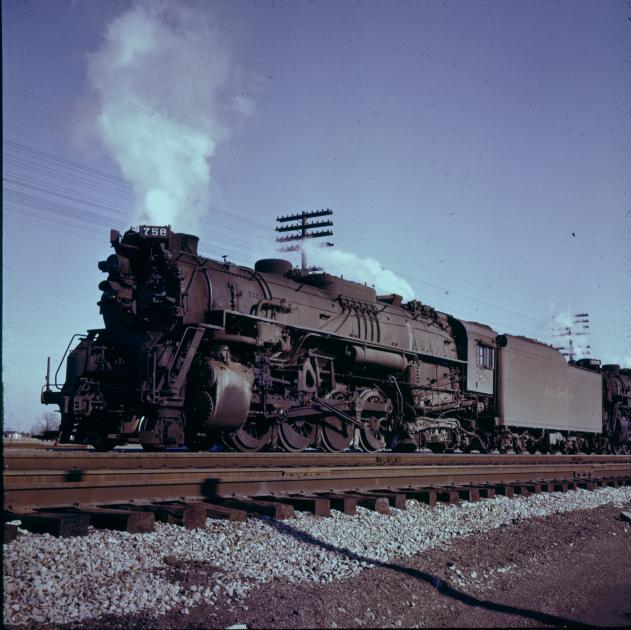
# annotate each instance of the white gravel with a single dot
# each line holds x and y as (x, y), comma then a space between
(49, 579)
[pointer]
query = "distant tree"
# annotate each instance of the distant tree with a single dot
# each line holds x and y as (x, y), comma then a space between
(48, 422)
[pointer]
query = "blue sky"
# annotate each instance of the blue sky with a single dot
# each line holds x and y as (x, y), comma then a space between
(479, 150)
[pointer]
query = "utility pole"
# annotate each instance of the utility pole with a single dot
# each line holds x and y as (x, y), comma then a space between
(302, 231)
(578, 328)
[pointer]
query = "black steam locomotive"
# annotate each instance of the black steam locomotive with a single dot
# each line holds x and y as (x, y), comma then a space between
(197, 352)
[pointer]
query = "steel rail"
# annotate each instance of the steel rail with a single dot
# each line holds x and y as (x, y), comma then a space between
(20, 445)
(47, 488)
(73, 460)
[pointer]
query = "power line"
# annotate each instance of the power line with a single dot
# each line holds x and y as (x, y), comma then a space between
(578, 327)
(42, 164)
(303, 230)
(57, 160)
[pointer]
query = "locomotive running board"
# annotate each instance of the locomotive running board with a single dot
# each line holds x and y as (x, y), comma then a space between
(218, 319)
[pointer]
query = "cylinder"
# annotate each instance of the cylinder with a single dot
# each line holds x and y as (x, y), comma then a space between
(233, 393)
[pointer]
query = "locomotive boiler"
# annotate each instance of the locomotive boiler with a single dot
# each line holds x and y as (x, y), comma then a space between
(196, 352)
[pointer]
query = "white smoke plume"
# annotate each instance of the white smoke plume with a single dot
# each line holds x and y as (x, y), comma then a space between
(158, 78)
(365, 270)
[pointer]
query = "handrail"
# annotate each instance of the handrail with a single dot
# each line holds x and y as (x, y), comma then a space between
(82, 336)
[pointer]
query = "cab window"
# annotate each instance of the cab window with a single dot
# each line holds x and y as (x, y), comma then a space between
(484, 356)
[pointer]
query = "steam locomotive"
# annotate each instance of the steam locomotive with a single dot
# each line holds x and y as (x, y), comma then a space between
(196, 353)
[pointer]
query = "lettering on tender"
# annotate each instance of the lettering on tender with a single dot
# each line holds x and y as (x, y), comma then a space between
(565, 394)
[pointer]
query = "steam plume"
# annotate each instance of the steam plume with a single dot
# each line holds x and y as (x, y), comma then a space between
(352, 267)
(158, 77)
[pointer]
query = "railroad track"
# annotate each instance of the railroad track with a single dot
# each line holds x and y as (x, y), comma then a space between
(64, 480)
(128, 459)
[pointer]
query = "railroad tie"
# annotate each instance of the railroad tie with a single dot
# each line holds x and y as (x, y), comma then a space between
(318, 506)
(132, 521)
(60, 524)
(468, 493)
(372, 502)
(168, 512)
(422, 495)
(532, 488)
(275, 509)
(341, 502)
(10, 533)
(614, 482)
(189, 516)
(520, 490)
(474, 492)
(559, 486)
(217, 511)
(505, 490)
(607, 483)
(586, 485)
(486, 491)
(394, 499)
(448, 495)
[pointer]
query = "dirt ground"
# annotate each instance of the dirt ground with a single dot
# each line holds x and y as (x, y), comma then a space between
(568, 569)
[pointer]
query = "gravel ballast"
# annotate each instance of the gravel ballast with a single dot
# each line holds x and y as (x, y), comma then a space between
(51, 580)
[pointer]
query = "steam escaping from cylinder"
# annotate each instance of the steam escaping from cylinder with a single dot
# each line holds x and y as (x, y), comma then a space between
(352, 267)
(159, 78)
